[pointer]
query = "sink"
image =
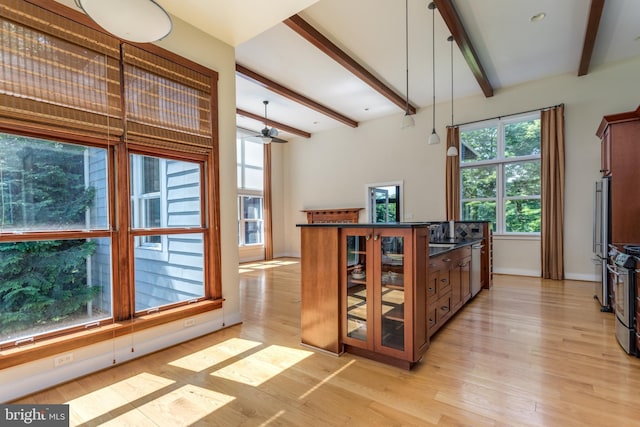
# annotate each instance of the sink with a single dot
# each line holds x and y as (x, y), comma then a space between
(442, 245)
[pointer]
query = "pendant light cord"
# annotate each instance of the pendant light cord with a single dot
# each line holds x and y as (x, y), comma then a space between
(450, 39)
(406, 49)
(433, 61)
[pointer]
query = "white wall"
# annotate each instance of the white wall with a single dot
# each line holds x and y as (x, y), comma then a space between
(331, 169)
(30, 377)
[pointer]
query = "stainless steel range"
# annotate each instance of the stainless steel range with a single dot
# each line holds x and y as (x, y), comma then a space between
(623, 269)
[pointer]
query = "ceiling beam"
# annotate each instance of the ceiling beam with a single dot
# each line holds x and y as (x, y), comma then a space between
(452, 19)
(277, 125)
(593, 23)
(313, 36)
(294, 96)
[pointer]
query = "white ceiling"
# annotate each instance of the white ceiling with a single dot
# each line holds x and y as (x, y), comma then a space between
(512, 49)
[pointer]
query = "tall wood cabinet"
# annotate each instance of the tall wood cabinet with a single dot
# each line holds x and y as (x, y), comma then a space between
(620, 159)
(374, 283)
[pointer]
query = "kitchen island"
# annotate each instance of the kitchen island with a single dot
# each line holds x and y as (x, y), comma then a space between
(382, 290)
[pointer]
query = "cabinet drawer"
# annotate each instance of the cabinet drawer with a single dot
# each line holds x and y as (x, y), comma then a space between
(444, 284)
(443, 307)
(432, 317)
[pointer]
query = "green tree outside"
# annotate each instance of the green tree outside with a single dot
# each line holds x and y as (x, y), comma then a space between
(521, 178)
(42, 187)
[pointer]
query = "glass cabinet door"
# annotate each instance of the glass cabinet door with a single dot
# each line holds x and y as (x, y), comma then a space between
(391, 292)
(358, 325)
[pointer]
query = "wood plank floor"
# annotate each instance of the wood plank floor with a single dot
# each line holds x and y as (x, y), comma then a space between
(530, 352)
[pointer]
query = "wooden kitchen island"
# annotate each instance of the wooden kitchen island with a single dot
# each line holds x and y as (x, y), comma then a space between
(379, 290)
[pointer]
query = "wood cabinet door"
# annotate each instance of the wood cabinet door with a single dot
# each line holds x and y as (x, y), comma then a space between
(393, 297)
(356, 286)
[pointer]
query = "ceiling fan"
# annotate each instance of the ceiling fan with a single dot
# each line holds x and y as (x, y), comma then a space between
(268, 135)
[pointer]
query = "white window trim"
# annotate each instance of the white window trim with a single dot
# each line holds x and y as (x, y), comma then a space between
(150, 252)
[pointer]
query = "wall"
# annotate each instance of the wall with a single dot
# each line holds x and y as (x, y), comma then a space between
(30, 377)
(332, 168)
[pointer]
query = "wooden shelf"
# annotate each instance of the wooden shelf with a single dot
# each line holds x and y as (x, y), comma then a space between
(397, 314)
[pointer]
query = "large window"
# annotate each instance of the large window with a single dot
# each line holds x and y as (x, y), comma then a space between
(109, 201)
(250, 155)
(56, 271)
(166, 196)
(500, 173)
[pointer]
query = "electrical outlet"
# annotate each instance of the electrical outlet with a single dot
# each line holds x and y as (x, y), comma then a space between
(63, 359)
(189, 322)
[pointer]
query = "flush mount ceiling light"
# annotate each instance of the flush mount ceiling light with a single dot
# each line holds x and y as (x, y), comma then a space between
(407, 120)
(538, 17)
(452, 151)
(433, 138)
(141, 21)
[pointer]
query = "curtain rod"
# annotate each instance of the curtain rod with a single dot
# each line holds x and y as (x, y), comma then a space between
(508, 115)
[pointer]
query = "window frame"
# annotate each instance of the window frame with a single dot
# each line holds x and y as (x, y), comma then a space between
(499, 163)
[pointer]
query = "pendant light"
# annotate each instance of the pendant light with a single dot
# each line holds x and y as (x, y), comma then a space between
(452, 151)
(433, 138)
(141, 21)
(407, 120)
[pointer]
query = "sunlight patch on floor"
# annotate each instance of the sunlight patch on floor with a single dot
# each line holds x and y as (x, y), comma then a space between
(183, 406)
(254, 370)
(117, 395)
(264, 265)
(211, 356)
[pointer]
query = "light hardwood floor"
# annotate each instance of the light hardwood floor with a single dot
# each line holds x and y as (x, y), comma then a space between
(530, 352)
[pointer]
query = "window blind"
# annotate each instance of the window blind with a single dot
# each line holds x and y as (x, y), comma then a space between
(57, 74)
(166, 103)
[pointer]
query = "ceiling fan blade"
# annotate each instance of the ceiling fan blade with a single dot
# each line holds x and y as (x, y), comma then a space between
(276, 139)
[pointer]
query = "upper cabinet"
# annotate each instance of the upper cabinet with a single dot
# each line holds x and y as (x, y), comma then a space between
(620, 139)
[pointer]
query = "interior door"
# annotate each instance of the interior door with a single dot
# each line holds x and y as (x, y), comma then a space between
(379, 205)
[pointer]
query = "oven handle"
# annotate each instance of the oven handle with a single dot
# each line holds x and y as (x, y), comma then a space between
(612, 270)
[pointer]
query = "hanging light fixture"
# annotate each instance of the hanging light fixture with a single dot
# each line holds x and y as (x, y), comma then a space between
(407, 120)
(141, 21)
(267, 135)
(433, 138)
(452, 151)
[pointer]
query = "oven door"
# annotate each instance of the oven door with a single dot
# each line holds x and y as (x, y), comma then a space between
(624, 328)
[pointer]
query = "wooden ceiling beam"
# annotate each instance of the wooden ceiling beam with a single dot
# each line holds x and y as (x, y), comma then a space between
(313, 36)
(593, 23)
(452, 19)
(294, 96)
(273, 123)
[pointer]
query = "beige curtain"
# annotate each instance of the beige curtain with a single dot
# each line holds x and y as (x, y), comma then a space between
(453, 176)
(552, 193)
(268, 236)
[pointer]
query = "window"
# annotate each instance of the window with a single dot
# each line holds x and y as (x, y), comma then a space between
(168, 267)
(104, 216)
(55, 264)
(250, 156)
(384, 202)
(500, 173)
